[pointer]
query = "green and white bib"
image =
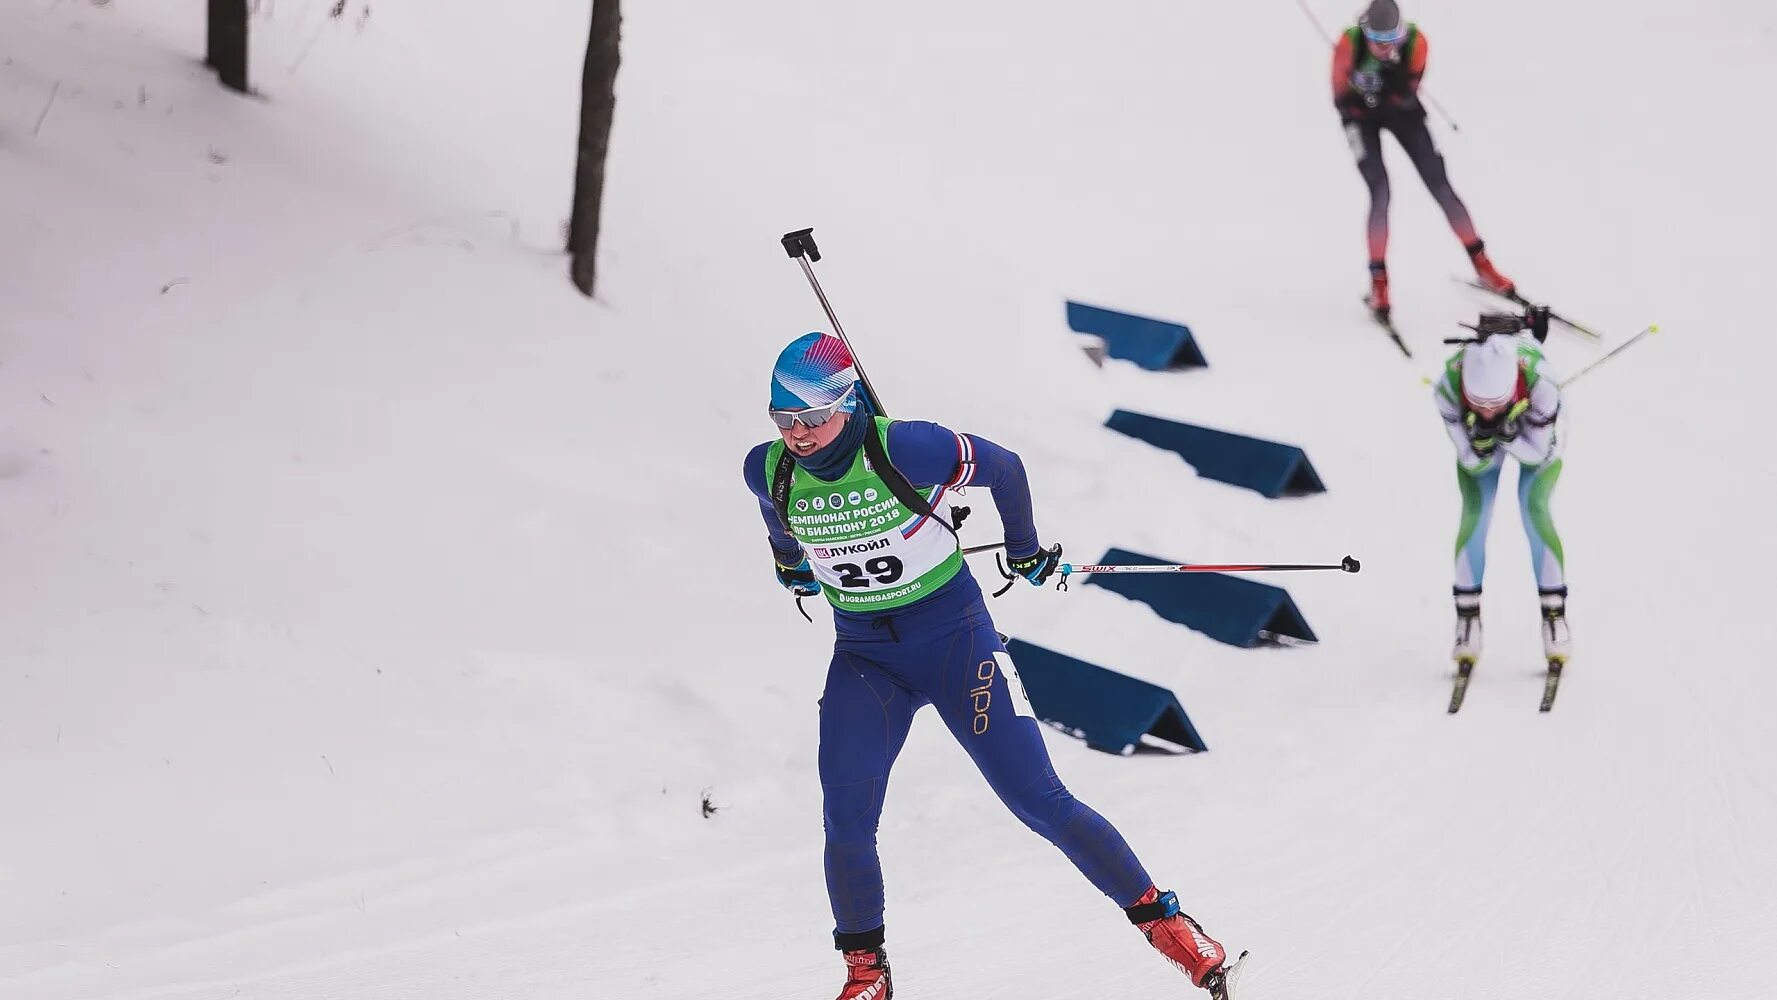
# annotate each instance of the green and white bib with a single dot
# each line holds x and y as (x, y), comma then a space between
(868, 550)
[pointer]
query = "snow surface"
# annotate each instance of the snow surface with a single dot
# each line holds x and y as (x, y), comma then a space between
(377, 613)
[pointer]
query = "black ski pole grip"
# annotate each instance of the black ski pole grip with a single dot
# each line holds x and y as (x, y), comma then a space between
(801, 242)
(1011, 577)
(1349, 565)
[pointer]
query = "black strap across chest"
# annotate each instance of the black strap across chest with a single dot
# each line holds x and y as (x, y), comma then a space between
(885, 470)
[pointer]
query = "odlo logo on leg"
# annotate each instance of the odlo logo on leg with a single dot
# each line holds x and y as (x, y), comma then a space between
(982, 696)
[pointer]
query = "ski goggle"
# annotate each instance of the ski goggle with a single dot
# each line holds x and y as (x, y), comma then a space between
(812, 416)
(1389, 38)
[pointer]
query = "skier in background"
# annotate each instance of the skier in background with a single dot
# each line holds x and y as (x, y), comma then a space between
(1498, 400)
(912, 630)
(1377, 67)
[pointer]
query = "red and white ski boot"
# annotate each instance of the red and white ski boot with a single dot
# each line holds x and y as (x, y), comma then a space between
(1489, 275)
(1377, 300)
(866, 966)
(1180, 939)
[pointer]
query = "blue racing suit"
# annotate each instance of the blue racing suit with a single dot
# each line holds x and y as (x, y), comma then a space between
(942, 651)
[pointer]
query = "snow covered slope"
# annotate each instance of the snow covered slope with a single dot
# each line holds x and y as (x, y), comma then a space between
(377, 614)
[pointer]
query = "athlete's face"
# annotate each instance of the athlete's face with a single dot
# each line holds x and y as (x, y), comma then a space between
(808, 440)
(1386, 51)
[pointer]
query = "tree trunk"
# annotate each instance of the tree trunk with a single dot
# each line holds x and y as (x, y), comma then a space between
(598, 98)
(226, 52)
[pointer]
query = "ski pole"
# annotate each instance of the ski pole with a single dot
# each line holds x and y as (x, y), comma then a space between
(1319, 27)
(1345, 565)
(1620, 348)
(988, 547)
(801, 246)
(1432, 103)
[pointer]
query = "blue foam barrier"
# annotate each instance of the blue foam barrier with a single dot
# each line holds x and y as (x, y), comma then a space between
(1266, 467)
(1109, 710)
(1226, 608)
(1153, 344)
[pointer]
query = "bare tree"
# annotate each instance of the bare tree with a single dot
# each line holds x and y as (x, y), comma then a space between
(598, 99)
(227, 48)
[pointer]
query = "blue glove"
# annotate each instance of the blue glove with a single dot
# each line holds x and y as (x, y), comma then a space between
(798, 579)
(1038, 566)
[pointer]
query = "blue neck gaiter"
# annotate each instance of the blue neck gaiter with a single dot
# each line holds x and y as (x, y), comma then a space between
(835, 459)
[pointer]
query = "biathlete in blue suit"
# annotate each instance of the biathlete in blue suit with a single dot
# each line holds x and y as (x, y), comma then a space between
(912, 630)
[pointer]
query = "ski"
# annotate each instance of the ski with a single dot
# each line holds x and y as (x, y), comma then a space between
(1552, 684)
(1518, 299)
(1386, 322)
(1223, 984)
(1463, 669)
